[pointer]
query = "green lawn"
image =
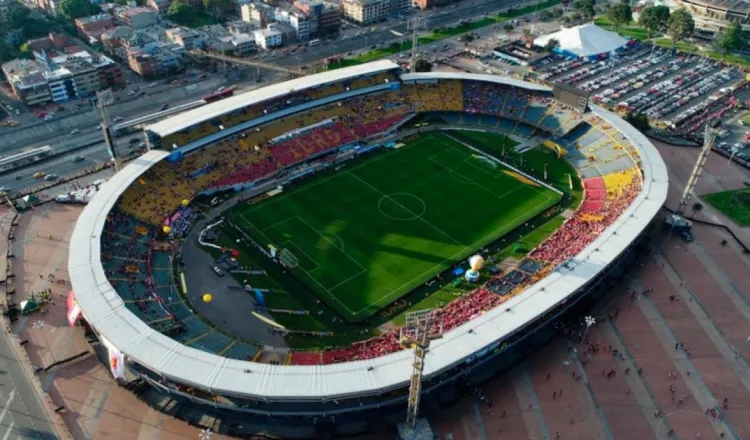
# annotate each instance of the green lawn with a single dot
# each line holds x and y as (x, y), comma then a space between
(734, 204)
(365, 236)
(628, 31)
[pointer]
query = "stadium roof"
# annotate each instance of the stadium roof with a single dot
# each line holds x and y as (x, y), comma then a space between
(735, 6)
(237, 102)
(585, 40)
(473, 76)
(105, 310)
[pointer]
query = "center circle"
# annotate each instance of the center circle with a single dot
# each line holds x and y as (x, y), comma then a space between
(402, 206)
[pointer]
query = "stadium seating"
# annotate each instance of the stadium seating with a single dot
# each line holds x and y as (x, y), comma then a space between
(241, 351)
(444, 96)
(305, 358)
(605, 159)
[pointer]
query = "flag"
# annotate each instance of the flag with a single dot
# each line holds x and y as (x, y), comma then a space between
(74, 310)
(116, 360)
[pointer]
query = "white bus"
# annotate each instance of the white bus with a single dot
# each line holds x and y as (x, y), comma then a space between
(24, 158)
(313, 42)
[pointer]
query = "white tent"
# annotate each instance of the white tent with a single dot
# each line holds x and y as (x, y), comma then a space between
(585, 41)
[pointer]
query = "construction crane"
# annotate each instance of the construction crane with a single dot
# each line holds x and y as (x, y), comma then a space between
(245, 62)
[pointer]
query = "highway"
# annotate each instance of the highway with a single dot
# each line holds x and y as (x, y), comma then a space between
(22, 415)
(161, 93)
(64, 165)
(383, 32)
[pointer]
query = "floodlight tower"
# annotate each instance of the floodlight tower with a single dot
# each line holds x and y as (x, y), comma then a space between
(103, 99)
(420, 329)
(415, 25)
(709, 138)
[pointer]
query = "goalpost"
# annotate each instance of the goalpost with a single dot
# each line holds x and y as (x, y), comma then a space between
(288, 259)
(485, 160)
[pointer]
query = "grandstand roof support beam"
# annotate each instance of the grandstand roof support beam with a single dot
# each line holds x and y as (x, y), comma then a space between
(245, 62)
(708, 142)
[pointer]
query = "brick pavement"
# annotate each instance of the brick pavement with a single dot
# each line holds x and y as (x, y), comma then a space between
(95, 407)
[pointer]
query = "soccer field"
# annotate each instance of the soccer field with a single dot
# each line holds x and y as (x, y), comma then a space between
(365, 236)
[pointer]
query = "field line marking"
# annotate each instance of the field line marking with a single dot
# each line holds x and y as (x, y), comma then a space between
(332, 243)
(482, 187)
(279, 223)
(305, 254)
(407, 209)
(367, 162)
(330, 295)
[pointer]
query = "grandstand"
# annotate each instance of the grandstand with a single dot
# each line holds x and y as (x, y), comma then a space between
(121, 267)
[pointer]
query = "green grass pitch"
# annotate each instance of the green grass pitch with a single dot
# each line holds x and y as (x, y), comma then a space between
(368, 234)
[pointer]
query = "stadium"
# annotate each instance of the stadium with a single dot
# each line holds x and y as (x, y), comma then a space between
(338, 203)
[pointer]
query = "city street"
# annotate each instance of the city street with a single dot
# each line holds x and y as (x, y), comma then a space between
(187, 88)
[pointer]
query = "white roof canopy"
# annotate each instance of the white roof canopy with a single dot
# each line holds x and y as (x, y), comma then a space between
(585, 40)
(107, 313)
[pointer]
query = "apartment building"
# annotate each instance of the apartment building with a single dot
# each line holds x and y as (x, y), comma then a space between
(366, 11)
(26, 78)
(137, 18)
(267, 38)
(92, 27)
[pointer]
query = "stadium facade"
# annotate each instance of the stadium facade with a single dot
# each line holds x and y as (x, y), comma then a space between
(712, 16)
(345, 397)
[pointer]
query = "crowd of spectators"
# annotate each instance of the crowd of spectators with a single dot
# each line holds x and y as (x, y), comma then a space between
(268, 149)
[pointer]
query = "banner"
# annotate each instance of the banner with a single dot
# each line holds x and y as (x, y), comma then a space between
(116, 360)
(74, 310)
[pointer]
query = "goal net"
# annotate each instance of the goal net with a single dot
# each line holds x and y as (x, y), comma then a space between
(288, 259)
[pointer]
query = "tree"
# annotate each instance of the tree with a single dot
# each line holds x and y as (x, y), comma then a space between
(466, 38)
(654, 19)
(181, 13)
(422, 65)
(680, 25)
(26, 51)
(639, 121)
(576, 16)
(620, 14)
(551, 45)
(73, 9)
(732, 40)
(586, 8)
(697, 207)
(218, 7)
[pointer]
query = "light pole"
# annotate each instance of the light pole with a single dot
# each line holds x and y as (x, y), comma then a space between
(589, 321)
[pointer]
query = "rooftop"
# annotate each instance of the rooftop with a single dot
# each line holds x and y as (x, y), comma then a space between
(24, 72)
(93, 18)
(237, 102)
(132, 12)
